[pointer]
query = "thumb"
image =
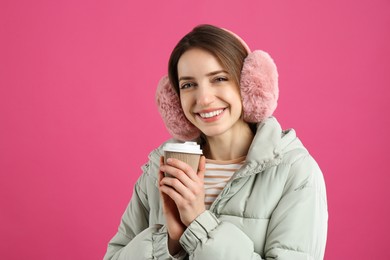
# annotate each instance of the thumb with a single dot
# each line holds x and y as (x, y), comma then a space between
(160, 173)
(202, 167)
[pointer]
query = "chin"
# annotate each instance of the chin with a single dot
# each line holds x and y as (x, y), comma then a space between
(213, 132)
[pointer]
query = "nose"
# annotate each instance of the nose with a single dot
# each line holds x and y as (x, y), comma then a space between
(205, 95)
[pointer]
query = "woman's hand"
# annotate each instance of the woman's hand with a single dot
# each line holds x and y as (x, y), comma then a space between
(185, 187)
(171, 213)
(174, 225)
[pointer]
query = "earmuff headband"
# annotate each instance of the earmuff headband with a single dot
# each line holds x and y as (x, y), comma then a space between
(258, 87)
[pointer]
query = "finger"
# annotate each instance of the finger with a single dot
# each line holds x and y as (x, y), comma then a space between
(175, 172)
(178, 186)
(194, 186)
(161, 175)
(172, 193)
(184, 167)
(188, 189)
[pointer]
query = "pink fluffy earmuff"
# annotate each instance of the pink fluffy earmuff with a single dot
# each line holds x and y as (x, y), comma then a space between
(258, 87)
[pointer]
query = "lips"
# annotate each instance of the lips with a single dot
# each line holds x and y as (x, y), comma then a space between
(211, 113)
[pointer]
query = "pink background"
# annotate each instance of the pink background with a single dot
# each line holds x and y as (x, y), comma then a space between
(78, 118)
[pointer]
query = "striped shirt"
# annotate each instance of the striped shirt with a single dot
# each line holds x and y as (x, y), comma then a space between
(217, 175)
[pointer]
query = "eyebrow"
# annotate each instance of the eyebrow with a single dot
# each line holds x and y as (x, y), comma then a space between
(208, 75)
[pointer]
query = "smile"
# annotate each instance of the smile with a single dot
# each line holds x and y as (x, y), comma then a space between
(211, 114)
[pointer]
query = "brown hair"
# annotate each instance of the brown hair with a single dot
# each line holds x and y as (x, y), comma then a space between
(219, 42)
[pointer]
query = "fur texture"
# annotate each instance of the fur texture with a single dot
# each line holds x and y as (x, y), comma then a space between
(259, 87)
(259, 93)
(170, 109)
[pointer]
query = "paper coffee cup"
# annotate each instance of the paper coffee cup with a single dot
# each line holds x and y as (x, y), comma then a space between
(188, 152)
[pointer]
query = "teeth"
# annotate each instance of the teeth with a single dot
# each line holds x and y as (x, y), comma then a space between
(211, 114)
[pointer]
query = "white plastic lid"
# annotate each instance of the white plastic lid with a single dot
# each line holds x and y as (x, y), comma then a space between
(187, 147)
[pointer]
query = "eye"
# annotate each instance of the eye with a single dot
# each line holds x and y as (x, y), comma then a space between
(187, 85)
(220, 79)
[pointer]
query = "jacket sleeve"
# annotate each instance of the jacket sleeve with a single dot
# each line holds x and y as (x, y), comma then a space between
(208, 238)
(297, 228)
(135, 239)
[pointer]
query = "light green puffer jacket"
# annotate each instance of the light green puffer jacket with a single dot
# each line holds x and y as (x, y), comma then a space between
(274, 207)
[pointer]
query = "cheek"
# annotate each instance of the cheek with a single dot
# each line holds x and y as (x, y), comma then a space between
(235, 99)
(185, 105)
(236, 103)
(233, 94)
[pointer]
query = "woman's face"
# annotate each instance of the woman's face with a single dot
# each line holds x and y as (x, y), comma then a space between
(209, 96)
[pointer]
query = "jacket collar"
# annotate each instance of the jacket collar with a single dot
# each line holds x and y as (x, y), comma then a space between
(267, 148)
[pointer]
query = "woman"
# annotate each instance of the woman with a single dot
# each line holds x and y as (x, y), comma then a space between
(258, 194)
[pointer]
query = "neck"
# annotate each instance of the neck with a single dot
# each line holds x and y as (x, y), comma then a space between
(230, 145)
